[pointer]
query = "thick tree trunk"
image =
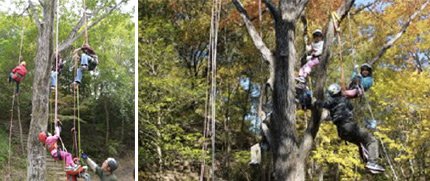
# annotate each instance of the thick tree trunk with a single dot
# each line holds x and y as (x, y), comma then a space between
(286, 161)
(40, 100)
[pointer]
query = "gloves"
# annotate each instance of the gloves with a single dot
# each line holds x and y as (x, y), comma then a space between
(84, 156)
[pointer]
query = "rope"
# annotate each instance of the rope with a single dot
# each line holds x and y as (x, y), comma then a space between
(85, 22)
(79, 126)
(216, 11)
(352, 40)
(337, 32)
(10, 133)
(13, 104)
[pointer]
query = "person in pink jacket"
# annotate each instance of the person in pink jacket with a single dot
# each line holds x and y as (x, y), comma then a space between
(50, 143)
(17, 74)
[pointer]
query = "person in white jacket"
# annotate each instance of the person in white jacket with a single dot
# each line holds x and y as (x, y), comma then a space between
(314, 50)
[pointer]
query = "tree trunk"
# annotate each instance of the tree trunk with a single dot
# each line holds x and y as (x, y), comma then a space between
(107, 123)
(40, 100)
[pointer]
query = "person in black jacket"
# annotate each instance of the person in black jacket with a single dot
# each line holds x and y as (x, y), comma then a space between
(341, 114)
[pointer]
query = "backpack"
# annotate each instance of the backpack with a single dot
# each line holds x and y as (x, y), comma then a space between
(92, 64)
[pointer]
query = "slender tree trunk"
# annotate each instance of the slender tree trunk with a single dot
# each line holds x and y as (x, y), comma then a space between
(40, 100)
(107, 123)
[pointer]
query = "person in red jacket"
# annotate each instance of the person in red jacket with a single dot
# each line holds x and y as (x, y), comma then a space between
(17, 74)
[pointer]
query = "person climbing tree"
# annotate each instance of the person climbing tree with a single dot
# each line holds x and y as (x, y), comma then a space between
(341, 114)
(105, 172)
(18, 73)
(360, 82)
(88, 61)
(56, 70)
(314, 50)
(50, 143)
(303, 94)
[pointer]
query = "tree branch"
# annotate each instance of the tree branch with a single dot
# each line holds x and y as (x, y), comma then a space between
(301, 7)
(363, 7)
(321, 72)
(33, 13)
(75, 34)
(272, 8)
(405, 26)
(258, 41)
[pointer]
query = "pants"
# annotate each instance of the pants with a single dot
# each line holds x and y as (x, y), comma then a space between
(351, 132)
(66, 156)
(54, 78)
(84, 62)
(11, 75)
(307, 68)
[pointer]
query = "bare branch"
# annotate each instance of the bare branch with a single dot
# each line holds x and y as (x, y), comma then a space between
(272, 8)
(258, 41)
(405, 26)
(363, 7)
(74, 34)
(301, 7)
(33, 13)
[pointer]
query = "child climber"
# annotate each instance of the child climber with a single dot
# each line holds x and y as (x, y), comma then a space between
(17, 74)
(360, 82)
(88, 61)
(56, 70)
(341, 113)
(314, 50)
(50, 143)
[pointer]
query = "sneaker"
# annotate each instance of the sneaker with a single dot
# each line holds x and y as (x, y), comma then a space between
(301, 80)
(85, 67)
(72, 168)
(374, 167)
(375, 172)
(254, 163)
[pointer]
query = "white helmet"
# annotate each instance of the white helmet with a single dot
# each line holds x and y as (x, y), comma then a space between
(317, 32)
(334, 89)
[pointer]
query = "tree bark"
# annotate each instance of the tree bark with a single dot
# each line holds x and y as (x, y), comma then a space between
(40, 99)
(107, 123)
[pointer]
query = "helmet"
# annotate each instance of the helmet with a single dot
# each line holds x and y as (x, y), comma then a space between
(366, 65)
(334, 89)
(42, 136)
(23, 63)
(317, 32)
(112, 163)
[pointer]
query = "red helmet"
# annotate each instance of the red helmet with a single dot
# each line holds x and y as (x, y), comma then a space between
(42, 137)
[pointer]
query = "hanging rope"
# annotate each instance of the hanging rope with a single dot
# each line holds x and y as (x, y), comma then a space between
(13, 105)
(336, 19)
(352, 40)
(85, 22)
(210, 111)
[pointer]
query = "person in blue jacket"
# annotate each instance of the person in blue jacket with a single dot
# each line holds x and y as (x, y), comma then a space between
(360, 82)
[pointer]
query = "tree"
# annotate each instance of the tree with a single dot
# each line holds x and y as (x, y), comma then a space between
(43, 62)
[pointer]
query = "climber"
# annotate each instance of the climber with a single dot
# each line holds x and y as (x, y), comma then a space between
(303, 94)
(360, 82)
(314, 50)
(17, 74)
(341, 114)
(55, 71)
(88, 61)
(50, 143)
(105, 172)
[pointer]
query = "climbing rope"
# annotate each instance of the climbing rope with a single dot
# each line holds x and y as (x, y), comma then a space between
(210, 118)
(13, 104)
(336, 19)
(85, 22)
